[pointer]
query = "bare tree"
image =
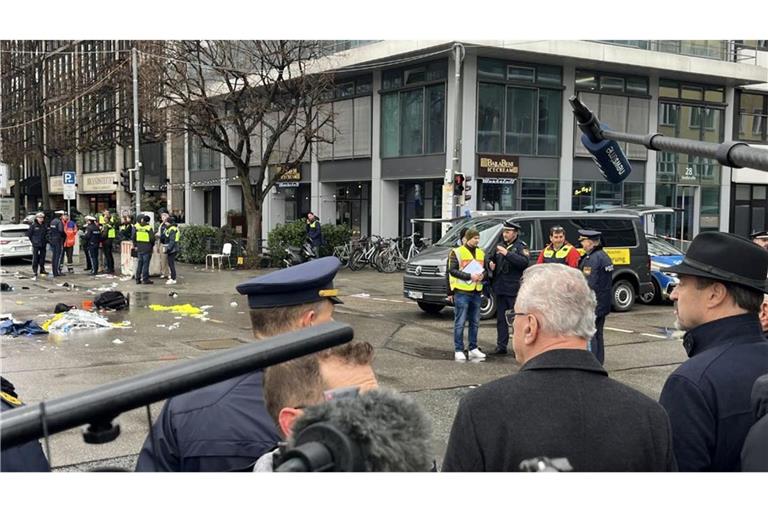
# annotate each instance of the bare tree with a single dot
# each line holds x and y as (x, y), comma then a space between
(229, 94)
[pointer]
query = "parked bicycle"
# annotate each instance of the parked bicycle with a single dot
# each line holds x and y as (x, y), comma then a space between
(343, 252)
(366, 253)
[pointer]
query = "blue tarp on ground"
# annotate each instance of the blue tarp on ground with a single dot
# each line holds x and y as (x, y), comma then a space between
(30, 328)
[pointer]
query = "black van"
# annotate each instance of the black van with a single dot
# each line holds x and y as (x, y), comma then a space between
(425, 279)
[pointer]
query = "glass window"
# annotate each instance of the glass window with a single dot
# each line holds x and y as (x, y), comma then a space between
(586, 80)
(538, 195)
(637, 122)
(437, 71)
(633, 194)
(362, 133)
(611, 83)
(412, 123)
(436, 119)
(549, 75)
(637, 85)
(692, 93)
(581, 197)
(523, 74)
(494, 196)
(415, 75)
(345, 90)
(710, 209)
(742, 192)
(390, 125)
(391, 79)
(489, 68)
(490, 108)
(758, 192)
(343, 119)
(548, 136)
(593, 102)
(519, 126)
(668, 89)
(714, 95)
(613, 112)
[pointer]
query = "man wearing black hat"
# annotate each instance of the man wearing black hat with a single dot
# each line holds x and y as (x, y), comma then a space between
(56, 238)
(760, 238)
(507, 266)
(226, 426)
(717, 303)
(598, 269)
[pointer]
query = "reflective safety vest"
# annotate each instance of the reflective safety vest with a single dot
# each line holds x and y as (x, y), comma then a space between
(142, 233)
(464, 257)
(71, 233)
(107, 222)
(173, 233)
(550, 256)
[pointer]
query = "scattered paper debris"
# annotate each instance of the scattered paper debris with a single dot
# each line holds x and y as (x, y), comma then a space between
(361, 295)
(233, 304)
(118, 341)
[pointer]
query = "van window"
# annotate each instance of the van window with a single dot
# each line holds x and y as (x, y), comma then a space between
(616, 232)
(13, 233)
(488, 228)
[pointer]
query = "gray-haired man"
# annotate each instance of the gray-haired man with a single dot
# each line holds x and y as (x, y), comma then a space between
(561, 403)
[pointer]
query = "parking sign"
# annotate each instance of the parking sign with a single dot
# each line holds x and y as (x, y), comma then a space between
(68, 177)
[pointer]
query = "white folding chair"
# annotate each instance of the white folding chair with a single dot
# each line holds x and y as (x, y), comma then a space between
(226, 251)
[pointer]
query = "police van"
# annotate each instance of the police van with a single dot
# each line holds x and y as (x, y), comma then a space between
(425, 279)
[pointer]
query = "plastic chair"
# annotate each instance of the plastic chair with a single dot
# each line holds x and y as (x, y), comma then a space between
(226, 251)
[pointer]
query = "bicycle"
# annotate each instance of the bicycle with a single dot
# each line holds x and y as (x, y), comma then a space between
(343, 252)
(417, 245)
(366, 254)
(391, 258)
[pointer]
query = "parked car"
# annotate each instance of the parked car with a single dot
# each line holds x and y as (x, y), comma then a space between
(14, 242)
(663, 254)
(425, 279)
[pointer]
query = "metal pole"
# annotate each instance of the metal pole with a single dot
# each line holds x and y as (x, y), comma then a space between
(458, 57)
(136, 161)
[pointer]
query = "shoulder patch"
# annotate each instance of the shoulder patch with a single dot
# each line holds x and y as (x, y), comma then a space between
(609, 268)
(10, 399)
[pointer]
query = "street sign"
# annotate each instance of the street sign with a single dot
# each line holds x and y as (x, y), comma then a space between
(3, 177)
(69, 182)
(68, 178)
(69, 194)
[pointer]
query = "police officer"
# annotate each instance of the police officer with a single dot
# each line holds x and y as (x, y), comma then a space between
(170, 238)
(38, 234)
(143, 240)
(507, 266)
(559, 250)
(314, 233)
(598, 269)
(92, 239)
(108, 234)
(225, 426)
(56, 237)
(28, 456)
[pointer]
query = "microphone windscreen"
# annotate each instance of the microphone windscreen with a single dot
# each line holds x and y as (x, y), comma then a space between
(609, 157)
(391, 431)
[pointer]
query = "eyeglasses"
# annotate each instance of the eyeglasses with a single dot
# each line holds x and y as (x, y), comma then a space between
(510, 316)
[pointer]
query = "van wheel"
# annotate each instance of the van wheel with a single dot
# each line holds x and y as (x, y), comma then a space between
(488, 307)
(430, 308)
(653, 297)
(623, 296)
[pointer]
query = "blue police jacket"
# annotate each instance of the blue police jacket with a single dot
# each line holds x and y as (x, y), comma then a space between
(598, 269)
(315, 233)
(56, 233)
(509, 269)
(708, 396)
(221, 427)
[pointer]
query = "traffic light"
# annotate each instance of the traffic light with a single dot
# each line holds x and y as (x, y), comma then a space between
(126, 180)
(458, 185)
(467, 188)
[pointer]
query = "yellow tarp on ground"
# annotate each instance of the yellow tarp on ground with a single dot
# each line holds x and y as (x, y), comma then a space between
(182, 309)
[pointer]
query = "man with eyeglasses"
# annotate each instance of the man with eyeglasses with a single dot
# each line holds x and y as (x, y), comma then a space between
(561, 403)
(225, 426)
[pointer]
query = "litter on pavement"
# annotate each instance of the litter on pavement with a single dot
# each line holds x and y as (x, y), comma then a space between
(12, 328)
(77, 319)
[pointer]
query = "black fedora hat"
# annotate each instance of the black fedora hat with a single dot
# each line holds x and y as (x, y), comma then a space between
(725, 257)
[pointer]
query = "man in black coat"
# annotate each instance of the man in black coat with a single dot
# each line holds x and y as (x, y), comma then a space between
(507, 265)
(314, 233)
(561, 403)
(722, 283)
(56, 237)
(38, 236)
(754, 455)
(598, 269)
(92, 239)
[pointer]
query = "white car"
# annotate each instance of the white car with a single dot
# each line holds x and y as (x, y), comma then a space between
(14, 241)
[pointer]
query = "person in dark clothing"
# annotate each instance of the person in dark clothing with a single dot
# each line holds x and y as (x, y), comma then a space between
(226, 426)
(27, 457)
(717, 303)
(170, 238)
(92, 239)
(465, 277)
(507, 265)
(143, 240)
(314, 233)
(38, 236)
(754, 454)
(108, 236)
(56, 237)
(598, 269)
(561, 403)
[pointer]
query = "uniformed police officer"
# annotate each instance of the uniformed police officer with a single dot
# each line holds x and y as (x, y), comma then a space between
(25, 457)
(314, 232)
(598, 269)
(56, 238)
(108, 224)
(225, 426)
(559, 250)
(507, 266)
(92, 238)
(38, 234)
(143, 240)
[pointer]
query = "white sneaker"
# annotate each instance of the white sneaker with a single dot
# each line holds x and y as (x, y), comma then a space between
(476, 354)
(170, 281)
(163, 276)
(459, 356)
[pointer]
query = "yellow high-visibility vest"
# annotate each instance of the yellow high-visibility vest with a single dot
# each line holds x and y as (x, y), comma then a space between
(550, 256)
(173, 231)
(142, 233)
(464, 257)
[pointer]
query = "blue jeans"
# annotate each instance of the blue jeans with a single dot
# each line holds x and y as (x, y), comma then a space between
(466, 307)
(142, 270)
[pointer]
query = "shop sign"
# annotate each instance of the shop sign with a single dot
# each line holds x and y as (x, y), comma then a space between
(498, 166)
(292, 174)
(499, 181)
(688, 174)
(100, 182)
(287, 184)
(55, 185)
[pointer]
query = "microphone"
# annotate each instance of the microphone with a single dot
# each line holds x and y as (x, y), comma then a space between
(377, 431)
(606, 153)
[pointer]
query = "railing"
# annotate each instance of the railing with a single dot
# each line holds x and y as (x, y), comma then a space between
(730, 51)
